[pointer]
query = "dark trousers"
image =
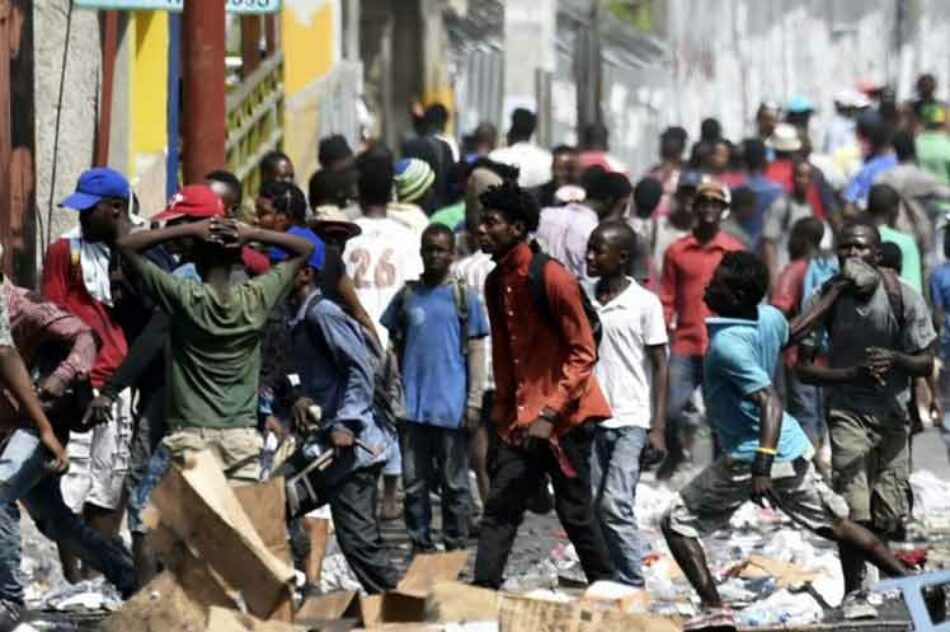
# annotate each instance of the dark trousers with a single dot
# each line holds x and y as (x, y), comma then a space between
(431, 453)
(353, 506)
(514, 472)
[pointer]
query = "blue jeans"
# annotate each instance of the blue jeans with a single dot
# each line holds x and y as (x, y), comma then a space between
(614, 474)
(686, 375)
(427, 452)
(22, 478)
(805, 405)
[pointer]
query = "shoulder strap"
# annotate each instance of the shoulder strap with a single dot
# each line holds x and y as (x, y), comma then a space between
(895, 297)
(536, 282)
(460, 295)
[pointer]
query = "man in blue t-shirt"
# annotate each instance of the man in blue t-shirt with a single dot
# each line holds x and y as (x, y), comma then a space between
(438, 327)
(766, 455)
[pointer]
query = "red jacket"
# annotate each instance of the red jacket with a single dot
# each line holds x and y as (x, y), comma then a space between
(62, 284)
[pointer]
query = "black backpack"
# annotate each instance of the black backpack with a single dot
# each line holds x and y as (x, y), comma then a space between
(538, 291)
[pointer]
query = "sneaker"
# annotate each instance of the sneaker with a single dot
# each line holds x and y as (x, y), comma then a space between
(11, 614)
(856, 606)
(719, 619)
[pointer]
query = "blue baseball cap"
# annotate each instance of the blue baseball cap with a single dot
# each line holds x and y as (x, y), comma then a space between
(317, 259)
(94, 185)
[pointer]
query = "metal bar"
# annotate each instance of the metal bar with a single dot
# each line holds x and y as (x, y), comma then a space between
(173, 158)
(268, 66)
(250, 44)
(110, 47)
(204, 85)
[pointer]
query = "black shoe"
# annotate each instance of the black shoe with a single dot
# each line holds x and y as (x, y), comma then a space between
(540, 501)
(669, 466)
(11, 614)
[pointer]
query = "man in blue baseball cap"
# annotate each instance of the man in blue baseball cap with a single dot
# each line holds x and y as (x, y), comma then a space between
(81, 275)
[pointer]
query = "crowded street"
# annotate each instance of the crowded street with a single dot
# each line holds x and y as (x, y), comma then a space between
(474, 315)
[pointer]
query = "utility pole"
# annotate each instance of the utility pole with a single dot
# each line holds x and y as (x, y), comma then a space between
(204, 124)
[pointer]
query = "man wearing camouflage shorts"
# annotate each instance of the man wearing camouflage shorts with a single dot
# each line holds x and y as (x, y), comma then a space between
(880, 336)
(766, 455)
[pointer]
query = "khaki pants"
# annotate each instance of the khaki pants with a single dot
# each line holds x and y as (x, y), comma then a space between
(870, 463)
(229, 445)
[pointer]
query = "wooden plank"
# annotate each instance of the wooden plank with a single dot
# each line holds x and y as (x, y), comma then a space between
(519, 614)
(160, 606)
(426, 570)
(266, 506)
(454, 601)
(201, 509)
(223, 620)
(328, 607)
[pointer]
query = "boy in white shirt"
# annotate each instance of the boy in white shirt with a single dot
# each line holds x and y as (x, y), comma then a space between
(632, 372)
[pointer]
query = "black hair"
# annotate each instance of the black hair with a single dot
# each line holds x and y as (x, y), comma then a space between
(437, 117)
(596, 136)
(485, 132)
(327, 186)
(891, 257)
(333, 148)
(439, 229)
(620, 233)
(710, 130)
(605, 186)
(873, 127)
(903, 142)
(647, 195)
(806, 235)
(506, 172)
(699, 155)
(744, 197)
(229, 180)
(673, 143)
(753, 149)
(746, 276)
(270, 162)
(883, 200)
(375, 183)
(564, 149)
(516, 204)
(861, 221)
(523, 124)
(926, 84)
(287, 199)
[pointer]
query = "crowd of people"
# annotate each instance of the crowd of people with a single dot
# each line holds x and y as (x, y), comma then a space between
(511, 328)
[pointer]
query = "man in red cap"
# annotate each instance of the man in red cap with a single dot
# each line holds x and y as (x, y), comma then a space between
(144, 370)
(687, 268)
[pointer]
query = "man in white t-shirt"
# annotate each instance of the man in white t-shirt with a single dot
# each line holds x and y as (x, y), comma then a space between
(632, 372)
(382, 258)
(533, 162)
(380, 261)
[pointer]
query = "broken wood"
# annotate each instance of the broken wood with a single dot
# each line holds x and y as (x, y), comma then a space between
(160, 606)
(202, 510)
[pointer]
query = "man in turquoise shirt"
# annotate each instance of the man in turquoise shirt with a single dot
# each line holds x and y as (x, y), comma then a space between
(883, 204)
(766, 455)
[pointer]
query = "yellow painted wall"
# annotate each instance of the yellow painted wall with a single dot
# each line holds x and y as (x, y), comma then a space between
(308, 39)
(149, 83)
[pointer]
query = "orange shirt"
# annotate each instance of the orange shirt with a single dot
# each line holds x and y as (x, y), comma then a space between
(539, 360)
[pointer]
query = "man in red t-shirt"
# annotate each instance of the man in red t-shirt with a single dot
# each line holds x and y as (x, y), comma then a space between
(77, 276)
(803, 401)
(688, 266)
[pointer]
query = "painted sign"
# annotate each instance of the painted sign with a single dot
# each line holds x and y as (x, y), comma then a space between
(231, 6)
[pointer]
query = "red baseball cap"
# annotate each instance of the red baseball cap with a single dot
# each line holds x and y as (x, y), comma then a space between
(197, 201)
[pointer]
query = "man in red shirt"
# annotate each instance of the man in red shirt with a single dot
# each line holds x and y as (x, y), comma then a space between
(546, 396)
(687, 268)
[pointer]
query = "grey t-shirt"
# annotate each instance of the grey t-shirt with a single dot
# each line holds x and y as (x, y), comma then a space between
(856, 326)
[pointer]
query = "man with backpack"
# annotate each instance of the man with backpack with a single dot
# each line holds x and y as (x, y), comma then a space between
(438, 327)
(880, 336)
(546, 395)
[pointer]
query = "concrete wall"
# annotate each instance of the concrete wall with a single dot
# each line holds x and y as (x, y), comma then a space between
(78, 96)
(729, 55)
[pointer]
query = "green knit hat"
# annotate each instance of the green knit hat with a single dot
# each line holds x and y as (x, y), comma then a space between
(413, 179)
